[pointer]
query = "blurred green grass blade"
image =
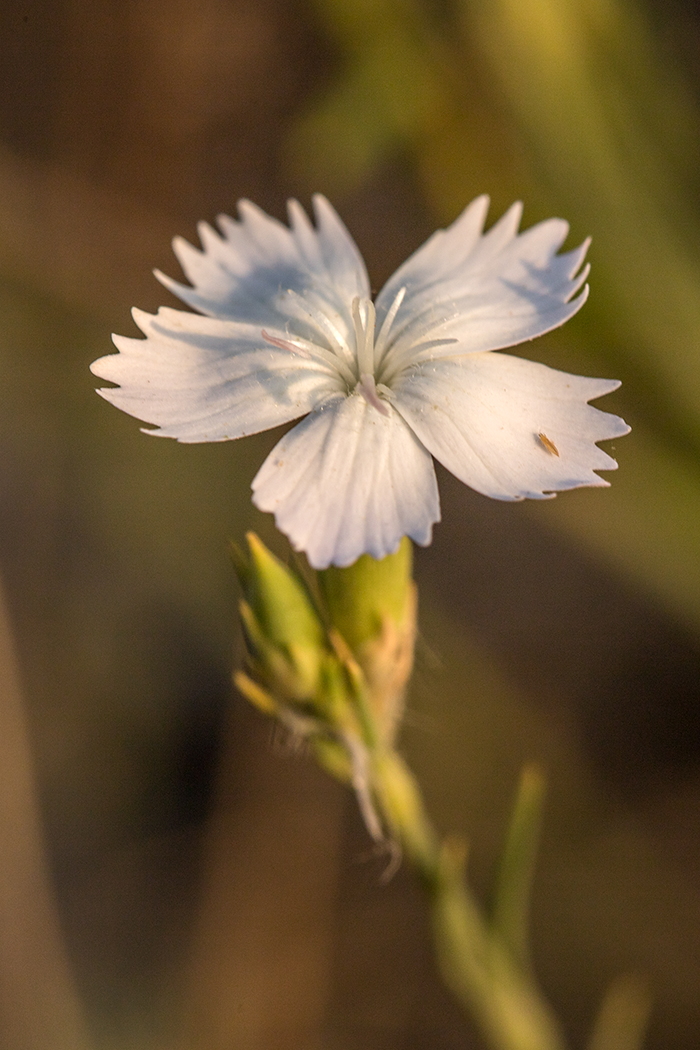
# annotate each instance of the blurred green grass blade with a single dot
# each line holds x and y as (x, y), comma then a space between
(511, 900)
(385, 96)
(624, 1016)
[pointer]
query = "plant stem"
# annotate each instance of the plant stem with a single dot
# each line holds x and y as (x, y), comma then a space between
(488, 979)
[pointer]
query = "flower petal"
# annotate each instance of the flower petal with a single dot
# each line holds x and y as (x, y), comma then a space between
(243, 272)
(509, 428)
(348, 480)
(202, 379)
(486, 291)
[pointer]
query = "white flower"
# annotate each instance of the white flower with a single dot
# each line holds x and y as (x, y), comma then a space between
(287, 328)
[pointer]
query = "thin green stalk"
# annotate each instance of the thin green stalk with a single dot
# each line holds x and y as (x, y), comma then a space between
(477, 963)
(510, 911)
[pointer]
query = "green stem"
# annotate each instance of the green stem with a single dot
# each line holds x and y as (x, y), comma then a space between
(477, 963)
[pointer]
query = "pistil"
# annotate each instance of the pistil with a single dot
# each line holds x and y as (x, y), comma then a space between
(364, 334)
(368, 389)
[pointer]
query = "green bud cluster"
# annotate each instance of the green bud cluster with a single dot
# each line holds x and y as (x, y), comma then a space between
(332, 670)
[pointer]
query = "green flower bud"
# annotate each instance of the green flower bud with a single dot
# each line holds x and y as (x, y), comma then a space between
(285, 636)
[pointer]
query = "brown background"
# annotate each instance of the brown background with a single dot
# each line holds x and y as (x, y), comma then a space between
(215, 890)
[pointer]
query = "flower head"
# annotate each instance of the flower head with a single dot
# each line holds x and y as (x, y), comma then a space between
(287, 328)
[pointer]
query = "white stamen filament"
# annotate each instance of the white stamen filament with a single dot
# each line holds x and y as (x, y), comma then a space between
(414, 327)
(318, 320)
(386, 325)
(405, 347)
(414, 354)
(285, 344)
(313, 352)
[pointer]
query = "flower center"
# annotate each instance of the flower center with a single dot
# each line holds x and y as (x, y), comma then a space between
(355, 370)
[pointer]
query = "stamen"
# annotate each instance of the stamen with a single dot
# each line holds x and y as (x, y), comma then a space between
(370, 321)
(368, 389)
(386, 325)
(359, 333)
(430, 344)
(318, 319)
(364, 334)
(413, 354)
(318, 354)
(417, 323)
(285, 344)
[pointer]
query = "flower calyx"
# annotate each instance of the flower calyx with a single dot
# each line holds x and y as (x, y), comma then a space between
(372, 605)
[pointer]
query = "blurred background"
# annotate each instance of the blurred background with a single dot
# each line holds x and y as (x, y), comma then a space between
(173, 874)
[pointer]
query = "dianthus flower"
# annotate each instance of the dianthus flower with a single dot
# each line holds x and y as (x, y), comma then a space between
(287, 328)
